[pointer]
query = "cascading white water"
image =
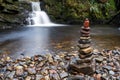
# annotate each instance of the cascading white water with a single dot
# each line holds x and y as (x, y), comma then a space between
(38, 17)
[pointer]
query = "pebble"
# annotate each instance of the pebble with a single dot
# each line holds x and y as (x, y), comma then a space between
(111, 72)
(55, 67)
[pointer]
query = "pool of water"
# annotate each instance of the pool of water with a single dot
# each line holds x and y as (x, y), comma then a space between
(39, 40)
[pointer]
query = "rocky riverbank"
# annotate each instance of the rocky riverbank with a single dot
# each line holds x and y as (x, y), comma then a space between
(106, 66)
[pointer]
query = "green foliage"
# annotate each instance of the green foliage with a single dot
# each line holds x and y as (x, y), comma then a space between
(102, 10)
(69, 10)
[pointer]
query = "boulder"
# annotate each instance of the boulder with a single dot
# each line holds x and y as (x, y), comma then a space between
(85, 69)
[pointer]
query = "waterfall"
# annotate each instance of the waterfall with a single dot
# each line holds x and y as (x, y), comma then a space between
(37, 16)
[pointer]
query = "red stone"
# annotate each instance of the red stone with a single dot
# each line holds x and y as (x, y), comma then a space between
(86, 23)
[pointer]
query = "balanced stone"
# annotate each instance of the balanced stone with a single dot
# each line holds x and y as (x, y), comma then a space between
(85, 56)
(84, 41)
(82, 46)
(84, 37)
(86, 29)
(85, 69)
(83, 31)
(86, 50)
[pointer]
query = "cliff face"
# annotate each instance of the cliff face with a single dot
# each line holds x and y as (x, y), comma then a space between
(13, 13)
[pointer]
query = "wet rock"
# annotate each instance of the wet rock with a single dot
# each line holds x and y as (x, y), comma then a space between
(76, 78)
(67, 57)
(19, 71)
(107, 67)
(28, 78)
(11, 75)
(86, 50)
(85, 69)
(82, 46)
(49, 57)
(99, 59)
(97, 76)
(91, 78)
(31, 70)
(83, 61)
(111, 72)
(57, 57)
(47, 77)
(54, 76)
(85, 56)
(84, 41)
(63, 75)
(38, 77)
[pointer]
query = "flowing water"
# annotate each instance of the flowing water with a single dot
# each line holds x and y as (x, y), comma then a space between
(38, 17)
(39, 40)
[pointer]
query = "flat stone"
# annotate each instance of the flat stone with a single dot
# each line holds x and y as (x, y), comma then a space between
(85, 38)
(31, 71)
(19, 71)
(28, 78)
(85, 56)
(99, 59)
(84, 41)
(11, 75)
(57, 57)
(107, 67)
(83, 31)
(38, 77)
(76, 78)
(85, 69)
(85, 35)
(83, 61)
(111, 72)
(86, 50)
(82, 46)
(63, 75)
(86, 29)
(47, 77)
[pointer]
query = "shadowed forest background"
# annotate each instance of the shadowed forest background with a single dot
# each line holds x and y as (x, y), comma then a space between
(14, 12)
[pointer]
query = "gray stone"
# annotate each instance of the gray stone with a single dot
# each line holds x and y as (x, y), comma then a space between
(85, 69)
(38, 77)
(111, 72)
(11, 75)
(31, 71)
(54, 76)
(63, 75)
(107, 67)
(83, 61)
(28, 78)
(99, 59)
(76, 78)
(47, 77)
(91, 78)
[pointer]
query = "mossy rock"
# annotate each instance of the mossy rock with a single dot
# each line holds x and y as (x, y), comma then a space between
(10, 7)
(103, 1)
(9, 1)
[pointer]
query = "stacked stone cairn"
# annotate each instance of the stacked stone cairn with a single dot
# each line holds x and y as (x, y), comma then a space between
(85, 48)
(83, 64)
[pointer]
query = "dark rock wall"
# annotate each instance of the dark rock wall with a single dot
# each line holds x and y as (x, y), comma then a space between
(13, 13)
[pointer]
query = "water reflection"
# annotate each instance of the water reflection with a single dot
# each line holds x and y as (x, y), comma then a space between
(37, 40)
